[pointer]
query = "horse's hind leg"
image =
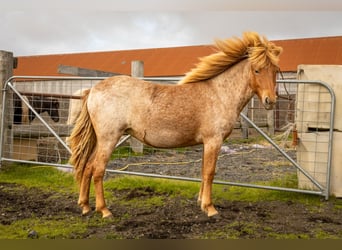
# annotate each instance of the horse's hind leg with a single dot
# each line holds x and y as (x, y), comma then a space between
(103, 153)
(83, 200)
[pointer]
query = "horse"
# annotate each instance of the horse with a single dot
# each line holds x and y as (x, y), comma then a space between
(200, 109)
(41, 104)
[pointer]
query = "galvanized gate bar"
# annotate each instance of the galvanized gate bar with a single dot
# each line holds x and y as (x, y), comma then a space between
(331, 129)
(281, 151)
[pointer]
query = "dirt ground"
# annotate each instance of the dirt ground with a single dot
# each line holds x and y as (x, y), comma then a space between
(181, 218)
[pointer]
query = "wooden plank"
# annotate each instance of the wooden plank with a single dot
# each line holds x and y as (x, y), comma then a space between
(39, 130)
(65, 96)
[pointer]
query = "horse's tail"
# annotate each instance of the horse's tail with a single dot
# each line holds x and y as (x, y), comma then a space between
(82, 140)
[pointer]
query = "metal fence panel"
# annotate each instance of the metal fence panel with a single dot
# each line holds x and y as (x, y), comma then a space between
(44, 142)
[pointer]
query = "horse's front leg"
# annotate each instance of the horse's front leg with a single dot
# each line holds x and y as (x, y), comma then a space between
(210, 154)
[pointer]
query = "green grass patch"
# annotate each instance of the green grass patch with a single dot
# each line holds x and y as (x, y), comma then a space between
(221, 192)
(125, 152)
(48, 178)
(61, 227)
(46, 228)
(289, 236)
(235, 230)
(43, 177)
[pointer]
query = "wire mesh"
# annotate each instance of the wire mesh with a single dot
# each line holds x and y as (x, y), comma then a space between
(313, 122)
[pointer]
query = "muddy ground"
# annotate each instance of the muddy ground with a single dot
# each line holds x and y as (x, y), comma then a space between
(181, 218)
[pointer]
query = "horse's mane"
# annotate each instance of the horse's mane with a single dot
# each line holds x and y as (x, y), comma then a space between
(259, 51)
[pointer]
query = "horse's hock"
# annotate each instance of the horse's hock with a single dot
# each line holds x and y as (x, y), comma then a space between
(313, 123)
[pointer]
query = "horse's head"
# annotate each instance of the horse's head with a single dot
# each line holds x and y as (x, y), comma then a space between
(263, 82)
(51, 106)
(264, 57)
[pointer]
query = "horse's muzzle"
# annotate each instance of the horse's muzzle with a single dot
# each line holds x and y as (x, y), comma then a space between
(268, 103)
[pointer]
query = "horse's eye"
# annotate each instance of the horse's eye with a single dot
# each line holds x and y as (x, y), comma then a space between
(256, 71)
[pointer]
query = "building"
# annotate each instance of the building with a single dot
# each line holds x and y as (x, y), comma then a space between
(175, 61)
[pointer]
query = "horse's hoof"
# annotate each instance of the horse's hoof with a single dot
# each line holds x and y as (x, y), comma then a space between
(105, 213)
(213, 215)
(107, 216)
(211, 211)
(86, 211)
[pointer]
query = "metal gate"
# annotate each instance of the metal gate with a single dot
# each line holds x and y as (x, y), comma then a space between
(48, 139)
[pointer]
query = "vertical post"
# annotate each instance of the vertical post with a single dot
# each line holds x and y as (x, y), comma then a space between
(270, 122)
(137, 70)
(244, 124)
(6, 71)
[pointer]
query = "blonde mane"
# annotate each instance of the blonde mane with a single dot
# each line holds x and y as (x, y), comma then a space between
(259, 51)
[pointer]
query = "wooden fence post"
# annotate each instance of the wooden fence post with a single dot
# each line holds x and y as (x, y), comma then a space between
(6, 71)
(244, 124)
(270, 122)
(137, 70)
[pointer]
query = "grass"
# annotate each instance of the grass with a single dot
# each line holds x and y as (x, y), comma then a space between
(234, 230)
(125, 152)
(58, 227)
(62, 226)
(48, 178)
(43, 177)
(236, 193)
(48, 229)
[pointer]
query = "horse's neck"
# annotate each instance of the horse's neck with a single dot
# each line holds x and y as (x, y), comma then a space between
(235, 83)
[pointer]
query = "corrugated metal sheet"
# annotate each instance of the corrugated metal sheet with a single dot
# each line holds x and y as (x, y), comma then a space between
(178, 60)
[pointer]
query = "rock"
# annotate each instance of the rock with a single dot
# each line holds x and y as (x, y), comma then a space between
(33, 234)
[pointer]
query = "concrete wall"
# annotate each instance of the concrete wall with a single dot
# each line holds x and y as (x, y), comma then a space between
(313, 113)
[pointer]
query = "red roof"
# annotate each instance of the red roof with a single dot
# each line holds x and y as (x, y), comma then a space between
(157, 62)
(324, 50)
(177, 61)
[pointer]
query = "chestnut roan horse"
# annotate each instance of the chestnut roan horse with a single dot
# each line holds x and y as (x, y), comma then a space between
(201, 109)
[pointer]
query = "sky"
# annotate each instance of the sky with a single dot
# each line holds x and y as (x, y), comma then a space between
(39, 27)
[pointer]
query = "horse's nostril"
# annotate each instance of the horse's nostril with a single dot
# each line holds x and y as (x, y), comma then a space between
(267, 100)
